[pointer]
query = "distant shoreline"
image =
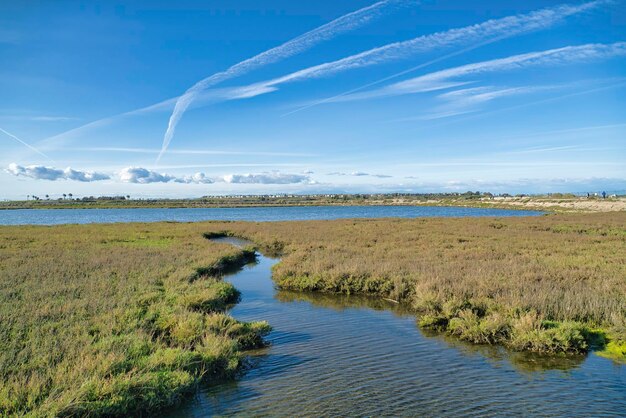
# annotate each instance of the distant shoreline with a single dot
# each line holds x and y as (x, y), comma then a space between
(542, 203)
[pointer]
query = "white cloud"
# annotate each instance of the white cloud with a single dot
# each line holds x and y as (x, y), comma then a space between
(477, 35)
(143, 176)
(41, 172)
(290, 48)
(441, 79)
(459, 102)
(84, 176)
(273, 177)
(497, 28)
(198, 178)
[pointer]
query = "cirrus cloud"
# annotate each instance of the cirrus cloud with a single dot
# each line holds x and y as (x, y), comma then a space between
(444, 79)
(288, 49)
(358, 174)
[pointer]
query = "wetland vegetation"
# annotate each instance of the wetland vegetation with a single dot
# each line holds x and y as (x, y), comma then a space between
(114, 320)
(546, 284)
(123, 318)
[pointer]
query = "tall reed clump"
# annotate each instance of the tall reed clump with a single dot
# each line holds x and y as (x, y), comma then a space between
(548, 283)
(114, 320)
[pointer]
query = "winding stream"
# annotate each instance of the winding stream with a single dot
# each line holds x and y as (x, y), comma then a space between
(338, 355)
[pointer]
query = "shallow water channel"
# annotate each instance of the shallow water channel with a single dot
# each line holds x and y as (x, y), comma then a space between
(355, 356)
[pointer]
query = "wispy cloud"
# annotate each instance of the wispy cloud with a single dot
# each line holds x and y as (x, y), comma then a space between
(442, 79)
(38, 118)
(40, 172)
(358, 174)
(613, 85)
(204, 98)
(21, 141)
(190, 151)
(475, 35)
(459, 102)
(293, 47)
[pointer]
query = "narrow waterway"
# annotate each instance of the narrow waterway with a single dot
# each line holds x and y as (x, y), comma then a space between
(354, 356)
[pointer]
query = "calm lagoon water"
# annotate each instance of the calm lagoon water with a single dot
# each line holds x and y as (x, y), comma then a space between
(353, 356)
(259, 214)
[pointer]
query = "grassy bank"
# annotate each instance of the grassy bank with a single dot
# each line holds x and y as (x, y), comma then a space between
(546, 284)
(122, 318)
(114, 319)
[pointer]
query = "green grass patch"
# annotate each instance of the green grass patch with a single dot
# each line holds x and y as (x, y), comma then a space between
(103, 320)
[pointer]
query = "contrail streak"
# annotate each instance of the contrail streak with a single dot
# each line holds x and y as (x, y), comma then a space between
(391, 77)
(558, 56)
(497, 29)
(482, 33)
(303, 42)
(25, 143)
(534, 103)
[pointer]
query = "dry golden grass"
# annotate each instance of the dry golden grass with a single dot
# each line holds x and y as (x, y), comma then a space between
(550, 268)
(567, 267)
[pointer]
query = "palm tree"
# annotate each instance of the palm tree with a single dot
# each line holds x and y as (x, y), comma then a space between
(47, 197)
(70, 195)
(27, 197)
(64, 195)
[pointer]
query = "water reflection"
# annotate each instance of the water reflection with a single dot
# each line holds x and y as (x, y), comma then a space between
(339, 355)
(522, 361)
(525, 362)
(341, 302)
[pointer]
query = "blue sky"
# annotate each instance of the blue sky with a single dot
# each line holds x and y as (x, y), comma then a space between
(225, 97)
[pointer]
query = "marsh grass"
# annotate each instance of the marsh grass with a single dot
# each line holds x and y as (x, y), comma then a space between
(544, 284)
(114, 320)
(122, 319)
